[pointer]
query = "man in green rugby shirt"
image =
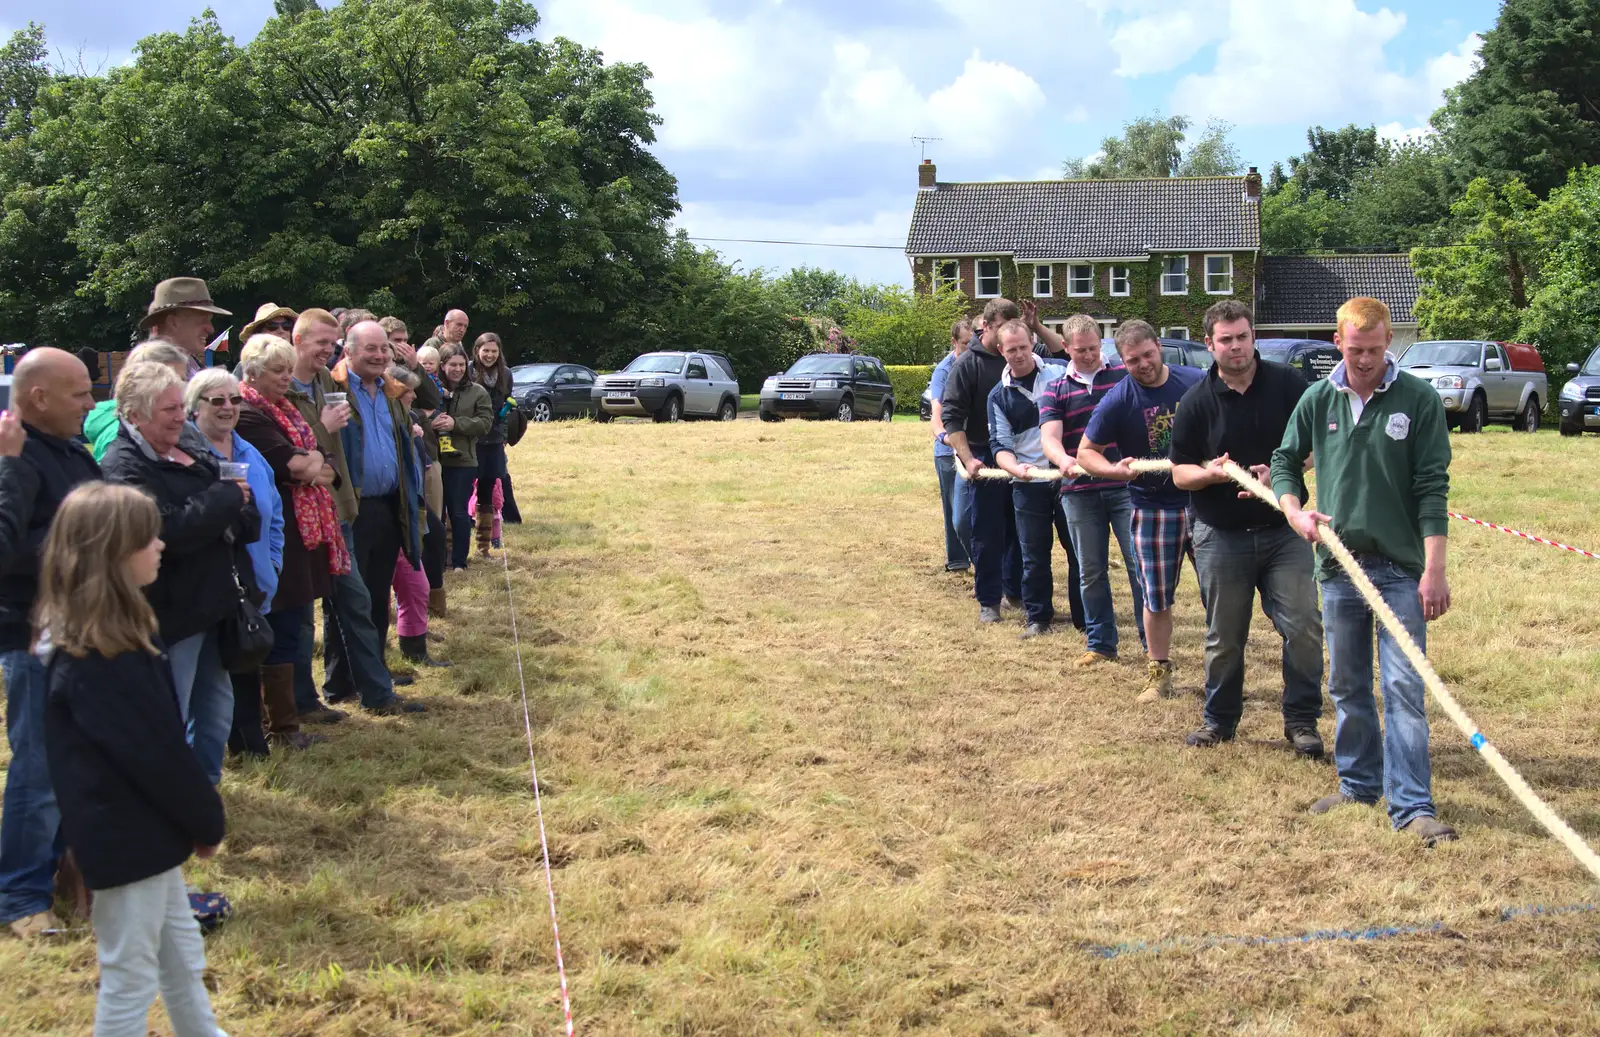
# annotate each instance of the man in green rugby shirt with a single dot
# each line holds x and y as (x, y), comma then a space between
(1382, 452)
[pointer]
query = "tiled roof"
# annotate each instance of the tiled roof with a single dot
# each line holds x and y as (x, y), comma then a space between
(1085, 219)
(1310, 289)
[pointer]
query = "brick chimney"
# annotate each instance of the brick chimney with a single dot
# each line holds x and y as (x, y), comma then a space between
(1252, 184)
(927, 177)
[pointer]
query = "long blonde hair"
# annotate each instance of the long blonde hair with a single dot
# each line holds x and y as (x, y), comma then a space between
(87, 601)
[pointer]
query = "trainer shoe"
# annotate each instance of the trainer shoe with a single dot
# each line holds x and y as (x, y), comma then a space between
(1209, 736)
(988, 614)
(397, 706)
(1430, 830)
(1094, 659)
(1157, 681)
(323, 715)
(1305, 740)
(1335, 801)
(1014, 604)
(1034, 630)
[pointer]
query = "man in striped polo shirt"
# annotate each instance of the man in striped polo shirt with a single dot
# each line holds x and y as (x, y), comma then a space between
(1095, 508)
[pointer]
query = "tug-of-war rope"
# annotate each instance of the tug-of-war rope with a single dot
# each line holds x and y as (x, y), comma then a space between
(1525, 795)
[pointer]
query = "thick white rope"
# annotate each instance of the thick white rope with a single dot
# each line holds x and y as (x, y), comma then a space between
(1525, 795)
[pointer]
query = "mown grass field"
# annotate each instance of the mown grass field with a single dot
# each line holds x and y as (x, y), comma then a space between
(793, 788)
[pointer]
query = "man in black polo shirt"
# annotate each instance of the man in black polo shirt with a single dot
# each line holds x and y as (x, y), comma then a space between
(1239, 412)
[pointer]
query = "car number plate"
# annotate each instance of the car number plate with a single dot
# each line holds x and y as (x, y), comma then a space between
(619, 395)
(791, 396)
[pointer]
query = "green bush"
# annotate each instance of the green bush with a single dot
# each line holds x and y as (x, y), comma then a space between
(908, 380)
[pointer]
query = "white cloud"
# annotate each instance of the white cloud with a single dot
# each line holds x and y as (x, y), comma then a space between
(1451, 67)
(1163, 40)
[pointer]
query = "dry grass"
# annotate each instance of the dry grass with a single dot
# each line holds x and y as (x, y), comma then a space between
(793, 788)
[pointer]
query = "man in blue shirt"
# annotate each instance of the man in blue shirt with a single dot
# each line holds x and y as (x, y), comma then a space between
(955, 495)
(384, 466)
(1018, 448)
(1134, 420)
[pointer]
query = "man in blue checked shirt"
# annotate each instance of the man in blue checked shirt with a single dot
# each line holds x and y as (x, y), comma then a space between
(955, 494)
(1018, 447)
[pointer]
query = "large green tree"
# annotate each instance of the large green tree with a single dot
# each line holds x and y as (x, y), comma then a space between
(1152, 146)
(408, 156)
(1532, 108)
(1478, 287)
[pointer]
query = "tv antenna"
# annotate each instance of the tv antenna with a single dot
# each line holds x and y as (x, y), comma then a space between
(925, 141)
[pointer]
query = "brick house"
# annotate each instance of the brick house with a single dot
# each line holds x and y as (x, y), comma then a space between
(1300, 294)
(1161, 250)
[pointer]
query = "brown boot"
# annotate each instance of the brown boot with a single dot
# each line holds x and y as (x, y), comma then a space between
(436, 603)
(485, 531)
(283, 721)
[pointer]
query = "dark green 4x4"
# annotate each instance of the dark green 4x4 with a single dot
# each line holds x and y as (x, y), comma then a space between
(829, 385)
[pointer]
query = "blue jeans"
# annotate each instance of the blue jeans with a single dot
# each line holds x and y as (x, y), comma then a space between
(205, 697)
(957, 508)
(288, 625)
(996, 555)
(458, 484)
(30, 827)
(351, 652)
(1092, 516)
(1233, 565)
(1391, 763)
(1035, 507)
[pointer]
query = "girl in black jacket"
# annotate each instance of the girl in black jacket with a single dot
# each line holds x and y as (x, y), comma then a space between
(135, 802)
(490, 371)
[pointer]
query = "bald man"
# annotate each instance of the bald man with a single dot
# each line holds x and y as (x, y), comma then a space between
(455, 327)
(40, 462)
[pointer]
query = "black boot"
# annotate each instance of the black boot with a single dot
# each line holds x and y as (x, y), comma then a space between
(415, 650)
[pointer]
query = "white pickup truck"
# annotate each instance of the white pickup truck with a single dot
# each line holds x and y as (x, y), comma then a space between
(1481, 382)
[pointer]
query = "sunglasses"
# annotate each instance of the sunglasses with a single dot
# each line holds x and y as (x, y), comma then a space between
(217, 401)
(279, 325)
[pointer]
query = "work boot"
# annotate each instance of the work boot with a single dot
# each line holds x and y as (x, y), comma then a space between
(323, 715)
(1033, 630)
(485, 529)
(1094, 659)
(397, 706)
(1209, 736)
(1157, 681)
(1430, 830)
(1305, 740)
(1334, 802)
(988, 614)
(282, 719)
(415, 649)
(45, 923)
(436, 603)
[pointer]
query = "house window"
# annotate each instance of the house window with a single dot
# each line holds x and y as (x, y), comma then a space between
(988, 278)
(1182, 333)
(1175, 275)
(1219, 275)
(1121, 281)
(1042, 288)
(1080, 279)
(946, 275)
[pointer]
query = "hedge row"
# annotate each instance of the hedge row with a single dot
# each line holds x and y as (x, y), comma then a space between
(908, 380)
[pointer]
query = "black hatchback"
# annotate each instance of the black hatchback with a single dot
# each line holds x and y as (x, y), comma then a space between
(1313, 358)
(545, 392)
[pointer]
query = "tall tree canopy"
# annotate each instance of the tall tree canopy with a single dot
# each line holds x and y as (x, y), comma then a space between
(406, 156)
(1153, 147)
(1532, 108)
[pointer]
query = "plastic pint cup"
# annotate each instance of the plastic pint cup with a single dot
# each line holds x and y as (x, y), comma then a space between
(235, 471)
(336, 399)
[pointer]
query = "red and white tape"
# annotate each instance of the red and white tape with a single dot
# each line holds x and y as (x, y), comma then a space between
(1525, 536)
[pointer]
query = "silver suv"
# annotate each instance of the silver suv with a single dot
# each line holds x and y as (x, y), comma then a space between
(1580, 397)
(669, 387)
(1479, 382)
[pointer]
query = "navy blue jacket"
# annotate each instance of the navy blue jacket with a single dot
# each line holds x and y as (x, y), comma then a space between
(32, 487)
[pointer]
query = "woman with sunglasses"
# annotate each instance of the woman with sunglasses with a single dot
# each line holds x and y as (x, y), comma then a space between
(214, 399)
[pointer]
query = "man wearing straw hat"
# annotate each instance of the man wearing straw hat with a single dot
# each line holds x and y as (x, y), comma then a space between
(1382, 451)
(180, 312)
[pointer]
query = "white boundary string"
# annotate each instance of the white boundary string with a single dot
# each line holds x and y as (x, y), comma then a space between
(538, 801)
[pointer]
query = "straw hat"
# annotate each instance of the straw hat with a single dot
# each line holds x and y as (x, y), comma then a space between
(265, 312)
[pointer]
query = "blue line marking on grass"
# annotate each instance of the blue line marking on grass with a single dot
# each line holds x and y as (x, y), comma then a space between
(1200, 943)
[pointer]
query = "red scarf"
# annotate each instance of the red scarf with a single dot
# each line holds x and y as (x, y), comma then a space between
(314, 512)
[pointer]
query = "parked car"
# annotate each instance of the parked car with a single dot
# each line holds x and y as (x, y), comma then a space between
(1481, 382)
(1580, 397)
(668, 386)
(1177, 352)
(925, 408)
(829, 385)
(545, 392)
(1313, 358)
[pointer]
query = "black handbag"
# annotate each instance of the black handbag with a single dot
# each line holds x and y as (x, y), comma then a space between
(245, 638)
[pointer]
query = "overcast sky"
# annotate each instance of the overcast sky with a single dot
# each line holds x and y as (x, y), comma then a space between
(793, 120)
